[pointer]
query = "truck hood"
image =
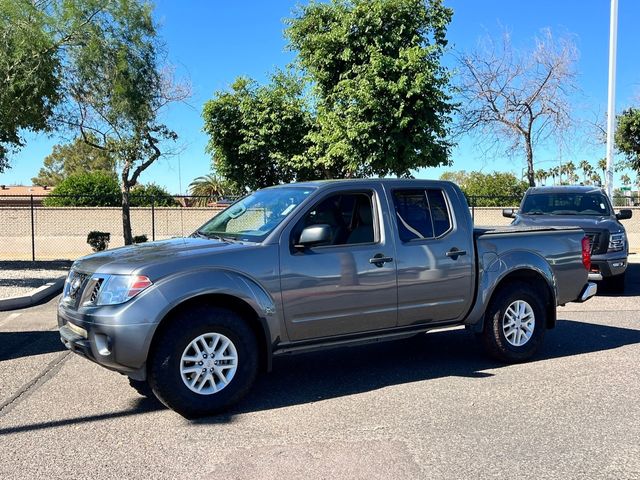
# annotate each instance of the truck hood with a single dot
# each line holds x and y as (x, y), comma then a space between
(586, 223)
(129, 259)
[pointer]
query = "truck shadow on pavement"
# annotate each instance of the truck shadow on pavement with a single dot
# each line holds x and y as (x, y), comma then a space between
(342, 372)
(632, 286)
(25, 344)
(335, 373)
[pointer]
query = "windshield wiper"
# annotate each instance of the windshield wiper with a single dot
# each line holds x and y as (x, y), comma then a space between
(213, 236)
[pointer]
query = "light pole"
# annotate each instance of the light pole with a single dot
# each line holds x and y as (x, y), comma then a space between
(611, 103)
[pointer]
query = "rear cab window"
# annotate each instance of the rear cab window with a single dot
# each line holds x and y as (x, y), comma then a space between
(421, 213)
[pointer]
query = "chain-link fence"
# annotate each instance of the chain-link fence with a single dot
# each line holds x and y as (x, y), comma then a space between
(32, 229)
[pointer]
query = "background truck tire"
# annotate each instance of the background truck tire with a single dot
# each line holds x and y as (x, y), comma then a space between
(167, 361)
(498, 337)
(616, 283)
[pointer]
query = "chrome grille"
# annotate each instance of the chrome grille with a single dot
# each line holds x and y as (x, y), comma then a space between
(73, 287)
(95, 290)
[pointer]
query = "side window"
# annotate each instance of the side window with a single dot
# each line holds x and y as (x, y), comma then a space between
(350, 216)
(439, 212)
(412, 215)
(421, 213)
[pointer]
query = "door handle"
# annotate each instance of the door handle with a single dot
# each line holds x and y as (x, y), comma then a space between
(379, 260)
(454, 253)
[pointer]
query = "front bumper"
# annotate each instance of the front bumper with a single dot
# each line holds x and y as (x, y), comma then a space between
(118, 347)
(607, 267)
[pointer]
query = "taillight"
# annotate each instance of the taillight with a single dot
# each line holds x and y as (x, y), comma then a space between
(586, 253)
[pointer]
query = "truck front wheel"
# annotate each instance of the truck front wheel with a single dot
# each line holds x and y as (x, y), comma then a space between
(514, 323)
(205, 361)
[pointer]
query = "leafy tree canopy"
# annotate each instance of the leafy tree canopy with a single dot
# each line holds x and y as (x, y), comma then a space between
(75, 157)
(145, 195)
(627, 136)
(381, 90)
(257, 133)
(498, 187)
(30, 73)
(89, 189)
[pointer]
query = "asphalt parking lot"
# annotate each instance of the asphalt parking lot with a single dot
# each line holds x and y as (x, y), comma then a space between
(426, 408)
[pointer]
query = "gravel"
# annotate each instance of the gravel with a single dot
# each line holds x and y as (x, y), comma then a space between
(19, 278)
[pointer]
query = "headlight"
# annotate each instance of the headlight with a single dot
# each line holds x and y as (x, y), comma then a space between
(617, 241)
(116, 289)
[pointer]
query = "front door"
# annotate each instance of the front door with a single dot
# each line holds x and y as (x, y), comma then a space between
(336, 288)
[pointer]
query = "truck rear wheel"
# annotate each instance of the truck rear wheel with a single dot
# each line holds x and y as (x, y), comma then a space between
(204, 362)
(515, 323)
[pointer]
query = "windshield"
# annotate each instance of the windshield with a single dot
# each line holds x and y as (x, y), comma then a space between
(565, 204)
(255, 216)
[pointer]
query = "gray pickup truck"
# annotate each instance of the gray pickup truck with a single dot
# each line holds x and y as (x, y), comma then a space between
(308, 266)
(586, 207)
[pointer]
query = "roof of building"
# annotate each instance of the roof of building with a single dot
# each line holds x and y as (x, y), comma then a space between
(20, 190)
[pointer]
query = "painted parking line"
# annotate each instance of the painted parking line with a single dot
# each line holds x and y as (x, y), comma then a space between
(10, 317)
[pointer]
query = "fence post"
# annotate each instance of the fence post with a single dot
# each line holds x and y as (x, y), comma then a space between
(473, 208)
(33, 234)
(153, 219)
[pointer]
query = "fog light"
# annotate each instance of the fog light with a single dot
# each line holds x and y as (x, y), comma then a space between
(103, 344)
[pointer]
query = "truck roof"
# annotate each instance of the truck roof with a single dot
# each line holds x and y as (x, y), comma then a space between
(564, 189)
(408, 182)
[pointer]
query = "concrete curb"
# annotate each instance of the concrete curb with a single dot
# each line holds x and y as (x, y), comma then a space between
(47, 290)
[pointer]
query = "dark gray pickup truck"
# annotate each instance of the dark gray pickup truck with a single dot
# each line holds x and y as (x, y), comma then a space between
(586, 207)
(314, 265)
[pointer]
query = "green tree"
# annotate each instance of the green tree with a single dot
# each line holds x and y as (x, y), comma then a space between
(541, 176)
(627, 136)
(75, 157)
(257, 133)
(602, 165)
(209, 187)
(489, 189)
(381, 91)
(586, 168)
(150, 193)
(117, 86)
(30, 71)
(90, 189)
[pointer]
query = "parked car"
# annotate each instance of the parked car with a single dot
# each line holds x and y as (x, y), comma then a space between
(310, 266)
(586, 207)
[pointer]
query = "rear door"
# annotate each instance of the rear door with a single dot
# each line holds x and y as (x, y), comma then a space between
(434, 253)
(336, 288)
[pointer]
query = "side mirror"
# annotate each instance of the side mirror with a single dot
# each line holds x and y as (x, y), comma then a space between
(509, 212)
(314, 235)
(625, 214)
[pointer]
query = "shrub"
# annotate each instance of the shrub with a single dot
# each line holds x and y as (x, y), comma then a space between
(144, 195)
(88, 189)
(98, 240)
(140, 239)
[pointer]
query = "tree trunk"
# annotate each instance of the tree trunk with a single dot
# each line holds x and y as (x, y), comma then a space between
(126, 216)
(530, 174)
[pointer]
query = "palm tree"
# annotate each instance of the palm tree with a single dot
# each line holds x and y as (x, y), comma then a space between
(602, 165)
(541, 176)
(626, 180)
(554, 172)
(586, 168)
(570, 170)
(208, 188)
(596, 179)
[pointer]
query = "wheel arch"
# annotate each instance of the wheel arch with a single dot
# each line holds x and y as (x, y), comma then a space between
(258, 324)
(531, 277)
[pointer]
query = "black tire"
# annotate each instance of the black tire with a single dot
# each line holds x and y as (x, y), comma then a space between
(616, 283)
(164, 374)
(493, 335)
(142, 387)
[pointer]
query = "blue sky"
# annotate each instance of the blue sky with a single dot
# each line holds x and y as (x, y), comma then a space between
(213, 42)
